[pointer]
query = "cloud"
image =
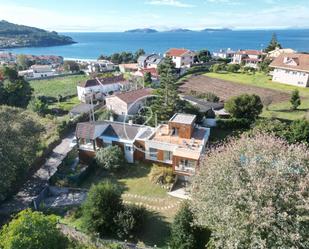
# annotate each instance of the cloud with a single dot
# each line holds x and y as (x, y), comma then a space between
(174, 3)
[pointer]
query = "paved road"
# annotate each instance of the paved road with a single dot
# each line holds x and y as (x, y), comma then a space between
(32, 188)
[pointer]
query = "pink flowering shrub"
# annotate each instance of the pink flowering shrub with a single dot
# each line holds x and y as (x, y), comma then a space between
(253, 193)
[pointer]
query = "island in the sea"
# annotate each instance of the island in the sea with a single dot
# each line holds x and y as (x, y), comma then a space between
(147, 31)
(17, 36)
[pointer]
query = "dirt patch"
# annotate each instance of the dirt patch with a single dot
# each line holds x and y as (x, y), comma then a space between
(227, 89)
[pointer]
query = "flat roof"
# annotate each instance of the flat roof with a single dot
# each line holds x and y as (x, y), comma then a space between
(183, 118)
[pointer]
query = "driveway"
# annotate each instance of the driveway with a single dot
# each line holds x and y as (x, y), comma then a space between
(33, 187)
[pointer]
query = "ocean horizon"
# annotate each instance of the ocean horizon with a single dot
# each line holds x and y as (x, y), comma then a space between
(90, 45)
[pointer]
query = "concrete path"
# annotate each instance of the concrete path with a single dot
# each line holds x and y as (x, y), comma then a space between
(33, 187)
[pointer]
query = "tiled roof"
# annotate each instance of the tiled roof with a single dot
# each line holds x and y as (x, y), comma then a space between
(292, 62)
(132, 96)
(121, 131)
(204, 105)
(177, 52)
(250, 52)
(85, 130)
(153, 71)
(103, 81)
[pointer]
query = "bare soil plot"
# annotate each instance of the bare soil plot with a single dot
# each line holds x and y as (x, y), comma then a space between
(227, 89)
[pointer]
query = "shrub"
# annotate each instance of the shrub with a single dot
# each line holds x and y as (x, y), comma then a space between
(38, 105)
(101, 207)
(244, 106)
(161, 174)
(253, 193)
(233, 123)
(233, 68)
(32, 230)
(110, 158)
(295, 99)
(299, 131)
(217, 68)
(130, 221)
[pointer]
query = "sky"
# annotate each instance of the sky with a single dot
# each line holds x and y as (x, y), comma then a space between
(120, 15)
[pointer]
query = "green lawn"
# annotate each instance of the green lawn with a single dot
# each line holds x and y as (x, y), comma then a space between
(66, 105)
(64, 86)
(279, 110)
(137, 188)
(258, 79)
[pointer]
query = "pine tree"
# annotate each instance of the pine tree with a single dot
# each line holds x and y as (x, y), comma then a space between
(273, 44)
(295, 99)
(167, 100)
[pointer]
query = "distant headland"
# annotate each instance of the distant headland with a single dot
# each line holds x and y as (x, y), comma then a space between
(18, 36)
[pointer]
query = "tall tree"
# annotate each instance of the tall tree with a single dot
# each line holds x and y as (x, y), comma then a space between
(19, 144)
(273, 44)
(167, 100)
(138, 53)
(32, 230)
(253, 193)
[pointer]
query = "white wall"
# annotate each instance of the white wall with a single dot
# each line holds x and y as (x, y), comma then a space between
(290, 77)
(82, 91)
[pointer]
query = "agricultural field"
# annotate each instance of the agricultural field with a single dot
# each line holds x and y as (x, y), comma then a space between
(227, 85)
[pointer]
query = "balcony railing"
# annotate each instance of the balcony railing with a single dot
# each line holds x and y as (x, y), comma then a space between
(88, 146)
(185, 169)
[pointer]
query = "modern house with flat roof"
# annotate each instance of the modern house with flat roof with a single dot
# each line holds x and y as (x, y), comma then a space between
(292, 69)
(178, 144)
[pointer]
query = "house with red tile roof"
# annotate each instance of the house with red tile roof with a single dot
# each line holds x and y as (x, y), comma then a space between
(292, 69)
(250, 58)
(128, 103)
(98, 88)
(183, 58)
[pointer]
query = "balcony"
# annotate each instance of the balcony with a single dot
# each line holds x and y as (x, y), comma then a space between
(87, 146)
(185, 169)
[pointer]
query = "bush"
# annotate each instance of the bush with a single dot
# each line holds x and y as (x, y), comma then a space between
(233, 68)
(295, 100)
(32, 230)
(299, 131)
(217, 68)
(130, 221)
(101, 207)
(38, 105)
(234, 123)
(110, 158)
(244, 106)
(161, 175)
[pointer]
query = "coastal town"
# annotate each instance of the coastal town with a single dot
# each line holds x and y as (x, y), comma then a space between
(169, 124)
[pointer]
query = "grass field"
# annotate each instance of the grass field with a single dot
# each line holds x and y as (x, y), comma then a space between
(280, 110)
(64, 86)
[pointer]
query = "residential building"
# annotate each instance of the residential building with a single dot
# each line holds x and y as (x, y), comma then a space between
(250, 58)
(128, 68)
(183, 58)
(224, 54)
(178, 144)
(38, 72)
(142, 72)
(149, 61)
(98, 88)
(7, 58)
(292, 69)
(128, 103)
(99, 66)
(278, 51)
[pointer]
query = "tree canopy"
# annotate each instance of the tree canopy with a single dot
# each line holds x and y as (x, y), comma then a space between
(14, 90)
(273, 44)
(110, 157)
(20, 141)
(32, 230)
(253, 193)
(244, 106)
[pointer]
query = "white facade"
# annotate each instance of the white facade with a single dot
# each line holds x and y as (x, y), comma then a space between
(185, 60)
(38, 72)
(98, 91)
(291, 77)
(121, 108)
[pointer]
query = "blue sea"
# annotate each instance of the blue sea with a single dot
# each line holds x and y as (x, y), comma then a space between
(91, 45)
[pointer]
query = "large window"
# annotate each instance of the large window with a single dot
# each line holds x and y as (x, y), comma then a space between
(153, 154)
(188, 163)
(167, 156)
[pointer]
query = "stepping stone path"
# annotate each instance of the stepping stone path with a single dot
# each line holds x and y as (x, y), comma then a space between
(159, 201)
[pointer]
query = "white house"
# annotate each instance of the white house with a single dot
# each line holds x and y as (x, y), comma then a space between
(149, 61)
(292, 69)
(183, 58)
(224, 54)
(278, 51)
(250, 58)
(128, 103)
(98, 88)
(99, 66)
(38, 72)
